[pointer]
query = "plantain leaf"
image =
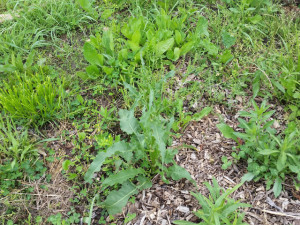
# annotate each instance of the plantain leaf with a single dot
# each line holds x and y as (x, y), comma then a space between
(186, 48)
(100, 158)
(163, 46)
(91, 54)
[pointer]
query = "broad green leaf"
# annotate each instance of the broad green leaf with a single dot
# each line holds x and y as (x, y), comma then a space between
(228, 40)
(91, 54)
(281, 163)
(163, 46)
(186, 48)
(226, 56)
(116, 200)
(204, 112)
(255, 19)
(85, 4)
(122, 176)
(211, 48)
(100, 158)
(178, 172)
(277, 188)
(108, 70)
(106, 14)
(128, 122)
(93, 71)
(144, 183)
(66, 164)
(255, 88)
(108, 42)
(176, 54)
(133, 46)
(178, 37)
(227, 131)
(202, 26)
(136, 37)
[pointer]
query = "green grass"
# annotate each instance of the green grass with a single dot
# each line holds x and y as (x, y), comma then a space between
(34, 100)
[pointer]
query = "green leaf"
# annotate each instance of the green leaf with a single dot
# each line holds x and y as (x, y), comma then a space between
(91, 54)
(228, 40)
(211, 48)
(116, 200)
(144, 183)
(178, 37)
(128, 122)
(92, 71)
(255, 19)
(278, 85)
(108, 42)
(268, 152)
(178, 172)
(100, 158)
(136, 37)
(133, 46)
(176, 54)
(204, 112)
(277, 188)
(226, 57)
(122, 176)
(202, 26)
(247, 177)
(186, 48)
(66, 164)
(255, 88)
(233, 208)
(163, 46)
(158, 134)
(227, 131)
(281, 163)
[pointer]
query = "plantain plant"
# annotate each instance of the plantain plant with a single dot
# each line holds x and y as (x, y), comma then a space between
(143, 42)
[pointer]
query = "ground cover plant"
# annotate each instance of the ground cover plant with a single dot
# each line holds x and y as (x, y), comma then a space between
(149, 112)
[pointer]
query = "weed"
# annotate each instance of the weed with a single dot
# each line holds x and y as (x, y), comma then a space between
(268, 156)
(144, 43)
(143, 157)
(218, 208)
